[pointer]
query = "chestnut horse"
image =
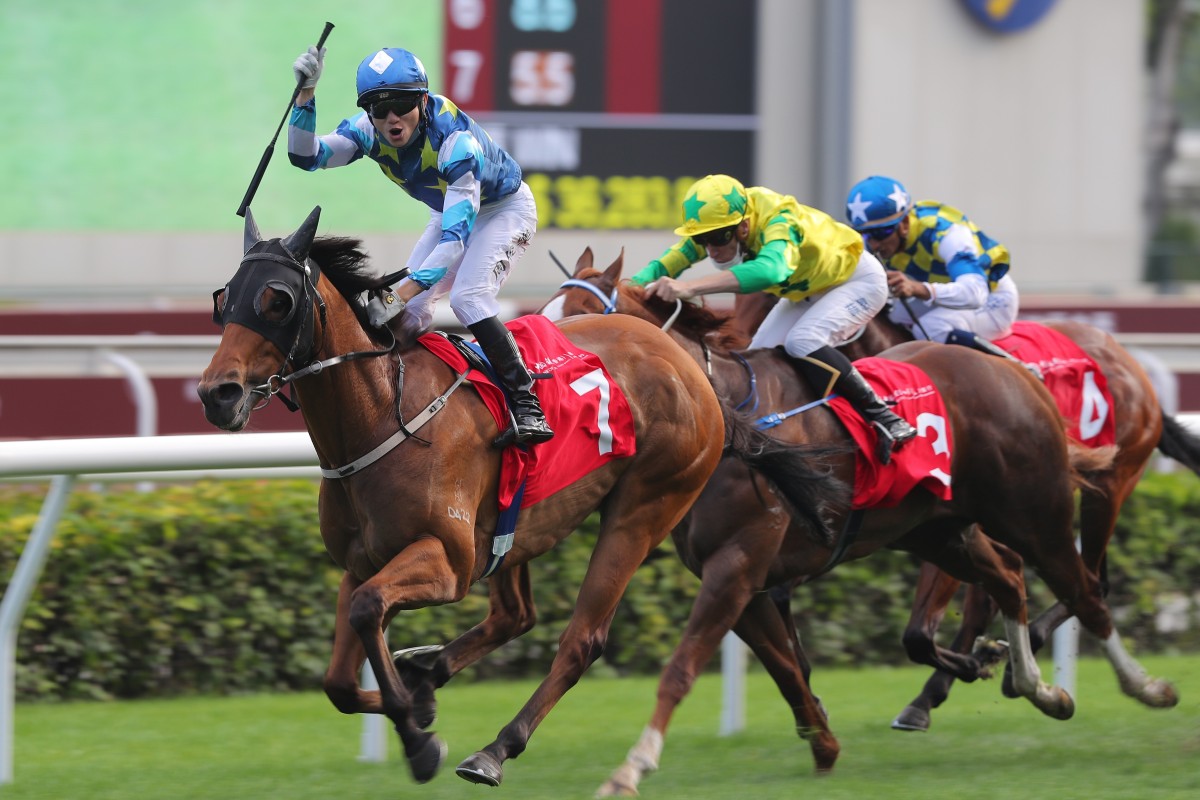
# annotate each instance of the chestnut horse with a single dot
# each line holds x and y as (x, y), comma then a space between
(1013, 473)
(412, 523)
(1141, 426)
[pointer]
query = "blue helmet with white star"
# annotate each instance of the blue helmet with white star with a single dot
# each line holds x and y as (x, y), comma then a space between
(877, 202)
(390, 74)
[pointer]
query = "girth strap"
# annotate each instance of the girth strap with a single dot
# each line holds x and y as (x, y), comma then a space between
(845, 540)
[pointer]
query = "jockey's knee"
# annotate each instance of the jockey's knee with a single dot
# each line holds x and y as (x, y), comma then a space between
(470, 307)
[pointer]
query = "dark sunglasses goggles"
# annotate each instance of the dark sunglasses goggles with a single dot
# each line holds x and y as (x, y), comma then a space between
(399, 107)
(879, 234)
(718, 238)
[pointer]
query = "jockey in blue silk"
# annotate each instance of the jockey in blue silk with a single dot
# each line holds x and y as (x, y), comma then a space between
(482, 215)
(830, 287)
(952, 277)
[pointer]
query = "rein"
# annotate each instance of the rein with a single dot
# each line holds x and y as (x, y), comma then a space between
(276, 383)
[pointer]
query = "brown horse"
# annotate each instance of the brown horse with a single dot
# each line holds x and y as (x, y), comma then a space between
(1012, 473)
(1141, 426)
(412, 523)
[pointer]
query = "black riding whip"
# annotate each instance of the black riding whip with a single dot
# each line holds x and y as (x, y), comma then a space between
(266, 156)
(916, 320)
(565, 271)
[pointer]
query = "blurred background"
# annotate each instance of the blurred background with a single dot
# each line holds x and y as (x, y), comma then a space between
(1067, 129)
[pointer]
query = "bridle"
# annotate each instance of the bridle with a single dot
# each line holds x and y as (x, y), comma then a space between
(295, 334)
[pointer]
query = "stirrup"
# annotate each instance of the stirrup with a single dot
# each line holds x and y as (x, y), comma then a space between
(1034, 370)
(524, 431)
(886, 441)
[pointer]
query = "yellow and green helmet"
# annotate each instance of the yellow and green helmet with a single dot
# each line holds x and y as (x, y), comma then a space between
(713, 202)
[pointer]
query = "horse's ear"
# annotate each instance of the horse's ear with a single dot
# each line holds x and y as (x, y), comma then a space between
(585, 261)
(250, 235)
(300, 241)
(613, 273)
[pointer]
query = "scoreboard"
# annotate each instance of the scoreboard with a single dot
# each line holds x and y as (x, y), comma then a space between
(611, 107)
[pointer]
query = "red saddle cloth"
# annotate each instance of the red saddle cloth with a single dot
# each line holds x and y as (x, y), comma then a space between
(1072, 377)
(924, 460)
(585, 408)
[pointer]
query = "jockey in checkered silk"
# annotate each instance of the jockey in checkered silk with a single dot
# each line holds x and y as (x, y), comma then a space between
(482, 215)
(763, 241)
(952, 277)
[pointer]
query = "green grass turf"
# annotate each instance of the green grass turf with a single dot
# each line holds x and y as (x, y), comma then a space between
(297, 747)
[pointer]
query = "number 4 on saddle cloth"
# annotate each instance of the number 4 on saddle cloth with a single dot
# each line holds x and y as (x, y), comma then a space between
(1072, 377)
(586, 409)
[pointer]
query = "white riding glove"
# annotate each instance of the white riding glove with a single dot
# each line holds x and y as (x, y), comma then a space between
(308, 66)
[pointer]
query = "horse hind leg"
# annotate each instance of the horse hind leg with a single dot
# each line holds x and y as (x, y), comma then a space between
(624, 542)
(777, 645)
(1063, 570)
(999, 570)
(1133, 679)
(724, 592)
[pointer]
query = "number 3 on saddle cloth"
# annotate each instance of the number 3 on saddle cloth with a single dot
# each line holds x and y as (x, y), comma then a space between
(924, 461)
(1072, 377)
(586, 410)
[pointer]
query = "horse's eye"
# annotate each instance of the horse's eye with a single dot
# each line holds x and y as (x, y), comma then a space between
(219, 304)
(275, 306)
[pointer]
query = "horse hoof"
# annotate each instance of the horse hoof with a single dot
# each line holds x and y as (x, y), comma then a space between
(911, 719)
(611, 788)
(427, 759)
(989, 653)
(1158, 693)
(413, 665)
(481, 768)
(1006, 686)
(1058, 705)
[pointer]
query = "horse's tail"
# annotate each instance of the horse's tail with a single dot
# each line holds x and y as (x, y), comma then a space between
(1087, 461)
(801, 473)
(1179, 443)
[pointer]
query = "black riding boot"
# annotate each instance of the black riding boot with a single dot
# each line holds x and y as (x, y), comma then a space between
(828, 370)
(977, 342)
(530, 423)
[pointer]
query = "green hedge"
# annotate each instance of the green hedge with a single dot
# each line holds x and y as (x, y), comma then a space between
(225, 587)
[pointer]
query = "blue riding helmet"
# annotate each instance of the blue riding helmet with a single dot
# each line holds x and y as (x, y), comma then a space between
(390, 74)
(877, 202)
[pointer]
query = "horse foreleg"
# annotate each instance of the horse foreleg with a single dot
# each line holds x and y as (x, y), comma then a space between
(341, 679)
(420, 575)
(935, 591)
(511, 613)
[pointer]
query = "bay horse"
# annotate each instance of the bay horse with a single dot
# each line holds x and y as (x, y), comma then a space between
(1141, 426)
(1013, 471)
(412, 522)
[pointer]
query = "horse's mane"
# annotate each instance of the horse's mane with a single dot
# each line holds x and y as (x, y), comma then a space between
(347, 266)
(695, 322)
